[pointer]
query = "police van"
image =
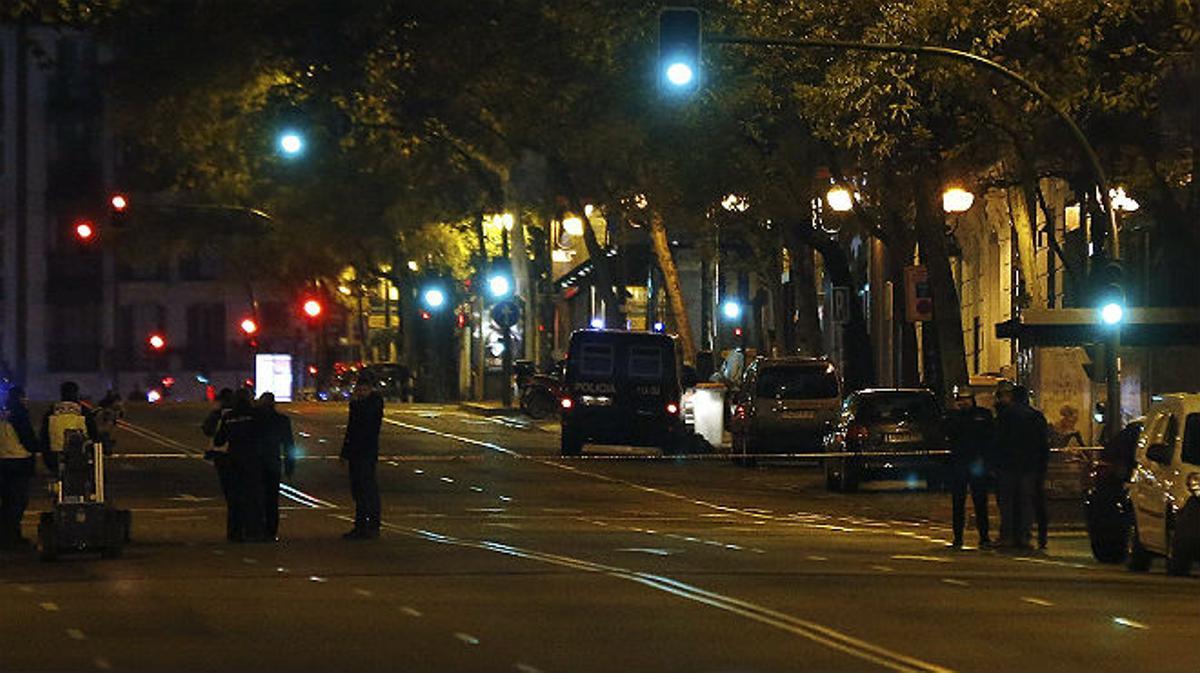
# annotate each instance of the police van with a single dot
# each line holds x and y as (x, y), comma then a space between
(623, 388)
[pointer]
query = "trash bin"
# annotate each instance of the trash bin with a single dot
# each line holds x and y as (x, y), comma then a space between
(708, 410)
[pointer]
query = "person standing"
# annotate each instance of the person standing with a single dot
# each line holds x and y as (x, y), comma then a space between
(239, 429)
(969, 429)
(64, 416)
(278, 445)
(18, 444)
(219, 455)
(1022, 435)
(361, 449)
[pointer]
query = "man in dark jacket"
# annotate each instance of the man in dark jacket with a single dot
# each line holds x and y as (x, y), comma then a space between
(969, 429)
(361, 449)
(18, 444)
(219, 455)
(1022, 438)
(239, 429)
(275, 433)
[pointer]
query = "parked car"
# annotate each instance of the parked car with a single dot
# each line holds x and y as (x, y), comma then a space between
(392, 380)
(1106, 495)
(623, 388)
(1165, 486)
(784, 405)
(887, 431)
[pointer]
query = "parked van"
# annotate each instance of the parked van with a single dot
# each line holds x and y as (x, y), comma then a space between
(623, 388)
(784, 405)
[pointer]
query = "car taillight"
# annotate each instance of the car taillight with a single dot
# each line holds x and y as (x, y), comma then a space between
(1193, 484)
(672, 408)
(740, 411)
(567, 403)
(857, 433)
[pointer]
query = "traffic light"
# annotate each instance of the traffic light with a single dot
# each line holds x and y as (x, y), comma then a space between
(433, 298)
(85, 230)
(157, 342)
(249, 328)
(679, 51)
(312, 308)
(1108, 291)
(118, 208)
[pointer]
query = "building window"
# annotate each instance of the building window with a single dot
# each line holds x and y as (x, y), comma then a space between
(205, 337)
(74, 338)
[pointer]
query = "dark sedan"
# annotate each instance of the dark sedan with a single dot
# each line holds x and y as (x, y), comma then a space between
(886, 431)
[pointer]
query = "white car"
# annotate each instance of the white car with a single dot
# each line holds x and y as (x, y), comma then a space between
(1165, 487)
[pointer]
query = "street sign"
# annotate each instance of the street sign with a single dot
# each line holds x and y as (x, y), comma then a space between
(506, 314)
(918, 294)
(841, 304)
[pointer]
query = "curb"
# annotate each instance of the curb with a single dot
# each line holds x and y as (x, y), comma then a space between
(480, 410)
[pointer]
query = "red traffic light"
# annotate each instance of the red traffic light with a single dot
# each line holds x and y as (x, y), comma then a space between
(249, 326)
(118, 202)
(157, 342)
(312, 308)
(85, 231)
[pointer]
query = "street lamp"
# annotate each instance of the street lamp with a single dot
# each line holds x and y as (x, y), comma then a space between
(957, 200)
(434, 298)
(731, 309)
(499, 285)
(291, 144)
(840, 200)
(573, 225)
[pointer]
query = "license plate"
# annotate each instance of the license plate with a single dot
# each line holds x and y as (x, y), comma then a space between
(900, 437)
(800, 415)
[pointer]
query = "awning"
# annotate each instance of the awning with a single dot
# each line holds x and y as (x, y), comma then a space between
(1081, 326)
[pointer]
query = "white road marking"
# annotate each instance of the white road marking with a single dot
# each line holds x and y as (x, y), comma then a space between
(411, 612)
(883, 569)
(1037, 601)
(467, 638)
(956, 583)
(526, 668)
(477, 489)
(281, 569)
(102, 664)
(649, 550)
(76, 634)
(219, 552)
(318, 579)
(365, 593)
(818, 558)
(25, 589)
(448, 480)
(812, 631)
(247, 559)
(1129, 623)
(49, 607)
(921, 557)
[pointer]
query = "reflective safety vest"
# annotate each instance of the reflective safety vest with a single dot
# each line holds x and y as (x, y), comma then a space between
(65, 416)
(10, 441)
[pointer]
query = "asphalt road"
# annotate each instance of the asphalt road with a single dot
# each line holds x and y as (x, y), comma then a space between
(497, 555)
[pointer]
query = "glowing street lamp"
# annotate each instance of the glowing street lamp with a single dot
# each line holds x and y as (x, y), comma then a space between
(957, 200)
(291, 144)
(840, 200)
(731, 309)
(499, 285)
(434, 298)
(573, 225)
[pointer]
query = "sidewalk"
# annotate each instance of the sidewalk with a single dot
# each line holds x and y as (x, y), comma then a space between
(512, 416)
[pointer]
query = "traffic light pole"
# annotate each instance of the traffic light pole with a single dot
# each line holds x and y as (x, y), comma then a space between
(1112, 414)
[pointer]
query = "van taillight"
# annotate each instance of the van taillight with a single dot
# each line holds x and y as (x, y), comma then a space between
(672, 408)
(567, 403)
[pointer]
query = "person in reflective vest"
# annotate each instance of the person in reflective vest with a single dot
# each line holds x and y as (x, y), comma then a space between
(66, 415)
(18, 444)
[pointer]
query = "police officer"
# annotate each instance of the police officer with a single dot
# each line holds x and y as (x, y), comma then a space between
(275, 433)
(66, 414)
(361, 449)
(969, 429)
(1023, 435)
(239, 430)
(18, 443)
(219, 455)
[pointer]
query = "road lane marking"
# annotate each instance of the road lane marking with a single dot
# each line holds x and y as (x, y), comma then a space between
(467, 638)
(884, 569)
(1129, 623)
(649, 550)
(812, 631)
(448, 480)
(411, 612)
(818, 558)
(365, 593)
(76, 634)
(49, 607)
(102, 664)
(318, 579)
(526, 668)
(25, 589)
(1032, 600)
(955, 583)
(921, 557)
(247, 559)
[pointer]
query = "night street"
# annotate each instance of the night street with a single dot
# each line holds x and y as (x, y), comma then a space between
(497, 555)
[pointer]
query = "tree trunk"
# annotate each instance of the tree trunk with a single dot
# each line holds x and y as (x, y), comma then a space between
(806, 329)
(1022, 211)
(948, 367)
(602, 264)
(666, 263)
(859, 365)
(900, 255)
